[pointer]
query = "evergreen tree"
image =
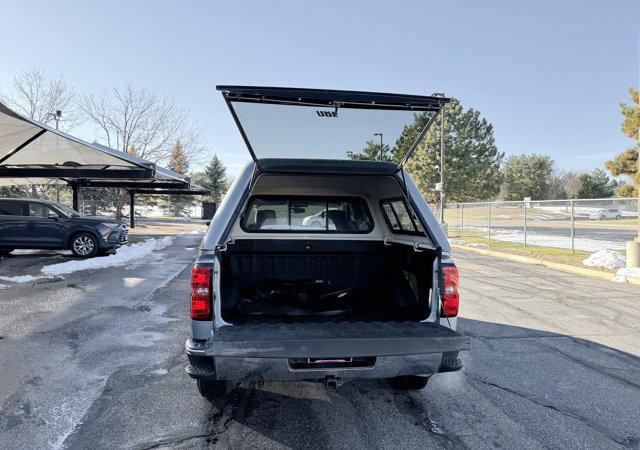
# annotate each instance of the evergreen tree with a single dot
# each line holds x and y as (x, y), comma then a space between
(626, 163)
(371, 152)
(178, 205)
(527, 176)
(596, 184)
(214, 179)
(625, 190)
(472, 160)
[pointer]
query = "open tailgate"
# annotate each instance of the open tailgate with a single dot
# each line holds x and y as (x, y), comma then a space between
(334, 340)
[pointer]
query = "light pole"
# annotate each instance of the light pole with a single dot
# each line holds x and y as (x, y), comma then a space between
(441, 94)
(381, 147)
(56, 116)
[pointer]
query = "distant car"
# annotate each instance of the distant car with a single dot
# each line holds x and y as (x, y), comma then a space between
(605, 213)
(40, 224)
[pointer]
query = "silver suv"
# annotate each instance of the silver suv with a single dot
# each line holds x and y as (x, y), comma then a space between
(320, 265)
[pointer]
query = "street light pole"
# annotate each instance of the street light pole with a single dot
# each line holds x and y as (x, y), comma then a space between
(442, 166)
(56, 116)
(381, 147)
(441, 184)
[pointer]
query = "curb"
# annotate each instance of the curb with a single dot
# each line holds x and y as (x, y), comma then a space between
(552, 265)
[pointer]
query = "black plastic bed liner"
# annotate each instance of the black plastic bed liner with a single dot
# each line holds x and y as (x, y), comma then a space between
(313, 340)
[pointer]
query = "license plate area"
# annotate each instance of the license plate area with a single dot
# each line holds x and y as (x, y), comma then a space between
(331, 363)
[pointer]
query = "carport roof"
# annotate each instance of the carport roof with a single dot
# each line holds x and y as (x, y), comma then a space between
(34, 153)
(31, 149)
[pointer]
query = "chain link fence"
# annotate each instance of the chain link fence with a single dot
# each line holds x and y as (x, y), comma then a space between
(587, 225)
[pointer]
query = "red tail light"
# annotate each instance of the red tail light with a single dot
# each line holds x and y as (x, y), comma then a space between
(451, 297)
(201, 305)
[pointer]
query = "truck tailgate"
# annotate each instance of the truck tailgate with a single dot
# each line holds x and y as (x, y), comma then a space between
(334, 340)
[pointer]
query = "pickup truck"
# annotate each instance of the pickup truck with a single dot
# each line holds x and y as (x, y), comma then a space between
(320, 265)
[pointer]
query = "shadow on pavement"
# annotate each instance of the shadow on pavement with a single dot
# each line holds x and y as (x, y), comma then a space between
(522, 386)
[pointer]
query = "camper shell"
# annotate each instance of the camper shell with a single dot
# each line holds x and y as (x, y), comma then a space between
(323, 269)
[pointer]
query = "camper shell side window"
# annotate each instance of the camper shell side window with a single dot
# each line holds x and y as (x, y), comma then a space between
(400, 218)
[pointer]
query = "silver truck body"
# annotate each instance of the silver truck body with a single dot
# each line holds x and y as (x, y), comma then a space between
(223, 350)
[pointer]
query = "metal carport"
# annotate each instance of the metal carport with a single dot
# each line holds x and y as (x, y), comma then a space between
(34, 153)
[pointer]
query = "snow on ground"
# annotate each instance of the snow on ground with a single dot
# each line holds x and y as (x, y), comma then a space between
(123, 255)
(3, 286)
(623, 275)
(547, 240)
(468, 244)
(605, 258)
(20, 279)
(196, 231)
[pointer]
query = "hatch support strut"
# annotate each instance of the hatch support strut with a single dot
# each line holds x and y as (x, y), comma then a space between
(418, 139)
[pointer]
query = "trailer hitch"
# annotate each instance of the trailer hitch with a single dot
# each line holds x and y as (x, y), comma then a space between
(332, 382)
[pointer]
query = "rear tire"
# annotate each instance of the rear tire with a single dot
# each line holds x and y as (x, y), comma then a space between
(409, 382)
(213, 389)
(6, 251)
(84, 245)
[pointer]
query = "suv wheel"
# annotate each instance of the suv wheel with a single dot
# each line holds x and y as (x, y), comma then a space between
(5, 251)
(409, 382)
(213, 389)
(84, 245)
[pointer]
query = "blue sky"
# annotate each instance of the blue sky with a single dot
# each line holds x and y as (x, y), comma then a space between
(548, 74)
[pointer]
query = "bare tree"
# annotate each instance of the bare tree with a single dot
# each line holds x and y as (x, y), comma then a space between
(141, 122)
(38, 96)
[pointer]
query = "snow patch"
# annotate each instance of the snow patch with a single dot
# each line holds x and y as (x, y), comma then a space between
(546, 240)
(623, 275)
(20, 279)
(3, 286)
(468, 244)
(605, 258)
(123, 255)
(196, 231)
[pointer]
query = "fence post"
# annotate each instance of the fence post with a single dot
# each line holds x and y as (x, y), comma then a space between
(525, 223)
(462, 220)
(489, 221)
(573, 229)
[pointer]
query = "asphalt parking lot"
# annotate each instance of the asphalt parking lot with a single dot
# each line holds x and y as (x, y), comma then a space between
(95, 359)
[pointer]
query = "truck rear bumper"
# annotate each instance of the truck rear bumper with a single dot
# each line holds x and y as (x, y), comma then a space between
(310, 352)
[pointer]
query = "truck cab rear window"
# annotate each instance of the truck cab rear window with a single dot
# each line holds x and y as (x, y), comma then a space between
(400, 218)
(307, 215)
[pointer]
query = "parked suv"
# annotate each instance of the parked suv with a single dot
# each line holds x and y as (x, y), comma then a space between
(40, 224)
(328, 268)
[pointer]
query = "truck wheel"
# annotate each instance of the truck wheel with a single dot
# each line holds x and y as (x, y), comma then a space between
(212, 389)
(409, 382)
(84, 245)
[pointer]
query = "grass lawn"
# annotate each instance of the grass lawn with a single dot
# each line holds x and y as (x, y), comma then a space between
(558, 255)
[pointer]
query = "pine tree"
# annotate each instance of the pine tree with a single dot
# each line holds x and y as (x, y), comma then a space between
(596, 184)
(472, 160)
(371, 152)
(214, 179)
(178, 205)
(527, 176)
(178, 161)
(626, 163)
